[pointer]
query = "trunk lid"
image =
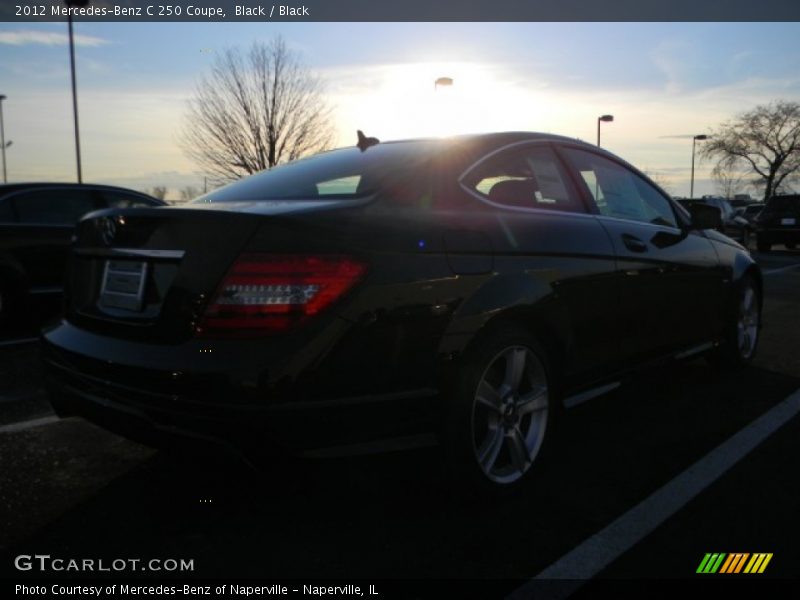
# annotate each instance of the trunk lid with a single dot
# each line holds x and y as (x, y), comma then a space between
(148, 274)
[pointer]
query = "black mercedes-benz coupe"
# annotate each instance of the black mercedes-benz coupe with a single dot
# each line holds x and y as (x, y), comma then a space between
(472, 287)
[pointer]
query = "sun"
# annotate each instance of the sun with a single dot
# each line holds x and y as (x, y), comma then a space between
(402, 101)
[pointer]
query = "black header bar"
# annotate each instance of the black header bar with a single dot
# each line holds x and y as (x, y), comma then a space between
(402, 10)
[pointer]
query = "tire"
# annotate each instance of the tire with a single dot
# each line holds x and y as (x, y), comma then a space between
(742, 334)
(791, 246)
(763, 245)
(499, 412)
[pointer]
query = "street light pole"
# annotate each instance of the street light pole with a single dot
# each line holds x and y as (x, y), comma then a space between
(3, 139)
(604, 119)
(70, 4)
(695, 139)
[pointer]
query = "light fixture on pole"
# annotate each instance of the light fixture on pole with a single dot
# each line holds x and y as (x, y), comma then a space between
(75, 4)
(695, 139)
(3, 139)
(442, 81)
(604, 119)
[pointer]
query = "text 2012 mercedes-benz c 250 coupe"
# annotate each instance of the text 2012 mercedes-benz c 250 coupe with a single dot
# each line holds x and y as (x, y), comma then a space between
(470, 286)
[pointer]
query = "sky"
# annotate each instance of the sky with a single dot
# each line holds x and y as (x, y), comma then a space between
(134, 79)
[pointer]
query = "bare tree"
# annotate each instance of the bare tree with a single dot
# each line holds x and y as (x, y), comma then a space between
(189, 192)
(765, 141)
(728, 182)
(255, 111)
(159, 191)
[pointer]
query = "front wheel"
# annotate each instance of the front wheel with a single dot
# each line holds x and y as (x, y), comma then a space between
(791, 246)
(499, 411)
(763, 245)
(739, 345)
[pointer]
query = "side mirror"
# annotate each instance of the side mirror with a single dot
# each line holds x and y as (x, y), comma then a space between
(705, 216)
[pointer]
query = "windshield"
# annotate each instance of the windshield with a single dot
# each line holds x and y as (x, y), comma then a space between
(340, 174)
(785, 204)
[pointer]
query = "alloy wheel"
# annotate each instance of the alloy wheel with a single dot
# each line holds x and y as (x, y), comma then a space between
(509, 414)
(747, 325)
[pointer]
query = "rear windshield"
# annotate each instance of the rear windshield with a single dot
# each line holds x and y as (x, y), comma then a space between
(340, 174)
(784, 203)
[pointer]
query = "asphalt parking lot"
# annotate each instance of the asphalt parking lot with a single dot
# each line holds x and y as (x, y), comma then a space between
(70, 489)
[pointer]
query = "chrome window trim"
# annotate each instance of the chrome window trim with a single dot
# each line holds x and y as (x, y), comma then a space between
(478, 196)
(131, 252)
(658, 226)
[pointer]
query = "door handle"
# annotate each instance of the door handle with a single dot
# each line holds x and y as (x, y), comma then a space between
(633, 243)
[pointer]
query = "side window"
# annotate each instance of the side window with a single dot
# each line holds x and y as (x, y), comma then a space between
(55, 206)
(347, 186)
(7, 212)
(122, 200)
(531, 177)
(619, 192)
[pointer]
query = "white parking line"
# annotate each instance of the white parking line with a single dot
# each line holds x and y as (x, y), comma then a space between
(604, 547)
(23, 425)
(780, 270)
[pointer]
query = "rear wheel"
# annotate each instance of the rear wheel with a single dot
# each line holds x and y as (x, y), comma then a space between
(500, 412)
(791, 246)
(762, 244)
(741, 338)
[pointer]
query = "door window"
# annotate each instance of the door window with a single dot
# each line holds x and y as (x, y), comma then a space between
(54, 206)
(619, 192)
(531, 177)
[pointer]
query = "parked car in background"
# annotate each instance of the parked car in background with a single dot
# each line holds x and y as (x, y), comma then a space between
(740, 200)
(750, 212)
(37, 222)
(472, 287)
(779, 223)
(734, 226)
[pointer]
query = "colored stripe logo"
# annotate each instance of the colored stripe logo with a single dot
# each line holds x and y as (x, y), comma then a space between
(737, 562)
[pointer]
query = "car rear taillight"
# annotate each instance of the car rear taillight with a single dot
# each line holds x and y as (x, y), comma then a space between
(268, 293)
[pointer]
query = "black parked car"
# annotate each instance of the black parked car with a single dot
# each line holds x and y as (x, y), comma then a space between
(732, 224)
(472, 287)
(750, 212)
(779, 223)
(37, 221)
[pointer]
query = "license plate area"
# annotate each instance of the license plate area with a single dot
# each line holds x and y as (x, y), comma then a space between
(123, 284)
(790, 221)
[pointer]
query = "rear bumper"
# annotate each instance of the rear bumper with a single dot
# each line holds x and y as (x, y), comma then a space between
(231, 424)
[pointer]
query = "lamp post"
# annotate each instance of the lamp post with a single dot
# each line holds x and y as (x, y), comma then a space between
(695, 139)
(604, 119)
(75, 4)
(3, 138)
(442, 81)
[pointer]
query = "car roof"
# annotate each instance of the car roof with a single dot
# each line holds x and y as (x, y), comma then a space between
(489, 141)
(8, 188)
(465, 149)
